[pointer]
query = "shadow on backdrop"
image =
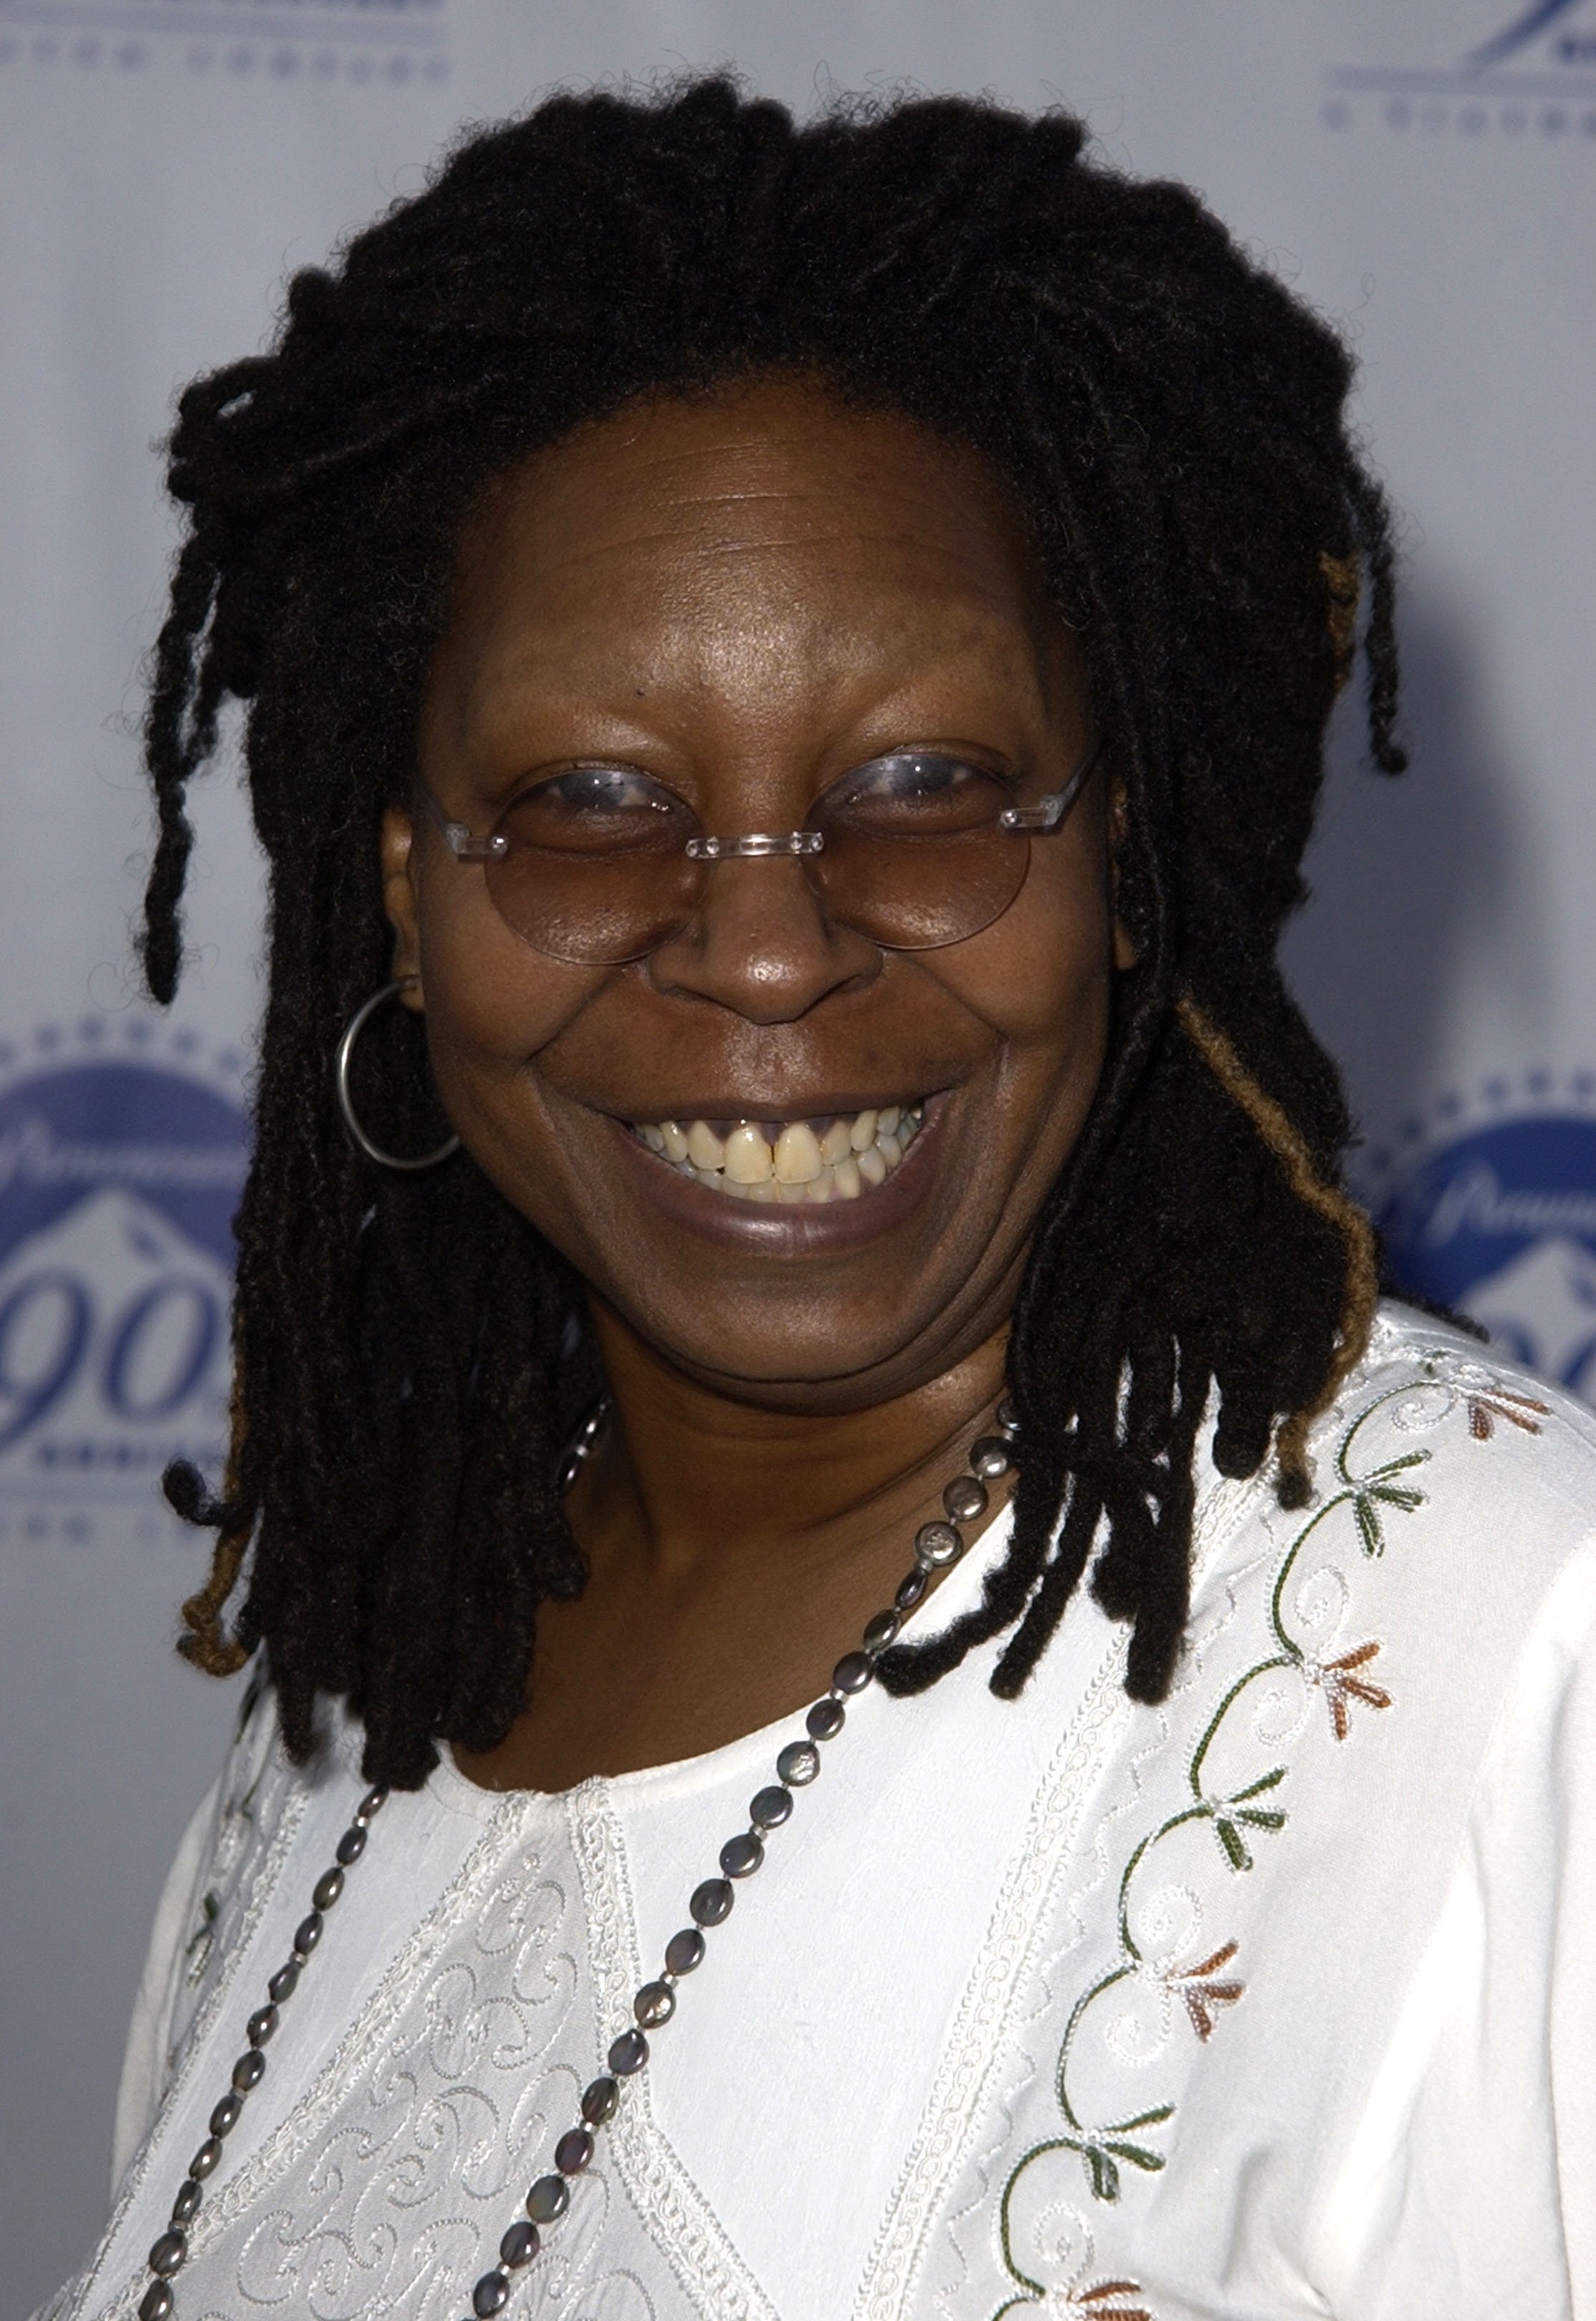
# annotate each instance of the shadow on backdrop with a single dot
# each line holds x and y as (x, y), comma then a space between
(1412, 878)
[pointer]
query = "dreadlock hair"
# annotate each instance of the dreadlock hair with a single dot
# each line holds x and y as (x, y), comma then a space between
(410, 1351)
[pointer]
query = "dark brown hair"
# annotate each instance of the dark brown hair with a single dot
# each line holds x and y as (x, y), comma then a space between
(410, 1351)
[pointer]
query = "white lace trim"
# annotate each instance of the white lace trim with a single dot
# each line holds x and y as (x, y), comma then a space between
(1009, 1955)
(683, 2225)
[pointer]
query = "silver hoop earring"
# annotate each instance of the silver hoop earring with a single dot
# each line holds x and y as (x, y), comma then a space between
(346, 1049)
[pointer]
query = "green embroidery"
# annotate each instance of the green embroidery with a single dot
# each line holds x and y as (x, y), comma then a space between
(1238, 1817)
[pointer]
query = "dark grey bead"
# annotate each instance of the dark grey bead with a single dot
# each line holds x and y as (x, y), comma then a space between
(740, 1856)
(260, 2025)
(654, 2004)
(990, 1457)
(570, 1467)
(156, 2303)
(573, 2151)
(881, 1632)
(771, 1808)
(911, 1590)
(548, 2200)
(684, 1951)
(853, 1672)
(799, 1763)
(711, 1905)
(307, 1934)
(226, 2116)
(167, 2254)
(285, 1982)
(964, 1498)
(1007, 1415)
(490, 2295)
(186, 2206)
(825, 1720)
(249, 2070)
(328, 1887)
(627, 2054)
(937, 1544)
(350, 1845)
(206, 2159)
(518, 2246)
(371, 1804)
(599, 2099)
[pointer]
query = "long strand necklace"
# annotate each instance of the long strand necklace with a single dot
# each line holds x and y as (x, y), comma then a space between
(936, 1545)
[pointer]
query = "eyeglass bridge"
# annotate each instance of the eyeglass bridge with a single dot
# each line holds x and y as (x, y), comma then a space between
(753, 843)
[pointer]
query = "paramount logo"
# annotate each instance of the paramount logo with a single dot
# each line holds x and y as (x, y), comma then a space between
(1499, 1220)
(1477, 1201)
(32, 1154)
(119, 1175)
(378, 42)
(1511, 70)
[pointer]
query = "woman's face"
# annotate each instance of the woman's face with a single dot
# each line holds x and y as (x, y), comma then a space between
(743, 598)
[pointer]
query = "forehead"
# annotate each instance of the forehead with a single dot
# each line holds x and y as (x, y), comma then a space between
(774, 512)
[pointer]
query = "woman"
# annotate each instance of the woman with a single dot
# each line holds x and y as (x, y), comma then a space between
(786, 673)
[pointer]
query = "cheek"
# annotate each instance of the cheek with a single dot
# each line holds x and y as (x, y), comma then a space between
(1041, 976)
(492, 1002)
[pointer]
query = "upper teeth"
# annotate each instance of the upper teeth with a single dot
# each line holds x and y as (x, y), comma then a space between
(834, 1158)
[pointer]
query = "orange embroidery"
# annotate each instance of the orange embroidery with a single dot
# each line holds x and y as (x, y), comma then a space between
(1094, 2300)
(1203, 1996)
(1340, 1686)
(1486, 1406)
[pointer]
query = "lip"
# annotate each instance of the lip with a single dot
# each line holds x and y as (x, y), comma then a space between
(779, 1231)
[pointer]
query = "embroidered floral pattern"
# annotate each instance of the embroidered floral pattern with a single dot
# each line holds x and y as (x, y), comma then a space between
(1202, 1994)
(1338, 1682)
(1102, 2300)
(1486, 1404)
(1371, 1492)
(1077, 2296)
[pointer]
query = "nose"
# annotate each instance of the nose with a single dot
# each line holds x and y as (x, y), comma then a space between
(762, 945)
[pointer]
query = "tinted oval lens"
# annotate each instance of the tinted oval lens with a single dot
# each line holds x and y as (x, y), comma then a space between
(596, 869)
(914, 855)
(595, 810)
(915, 794)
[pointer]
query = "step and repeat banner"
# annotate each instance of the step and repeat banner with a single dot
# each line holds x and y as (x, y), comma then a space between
(1425, 174)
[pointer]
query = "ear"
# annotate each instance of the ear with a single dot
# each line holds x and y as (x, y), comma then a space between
(1127, 952)
(400, 900)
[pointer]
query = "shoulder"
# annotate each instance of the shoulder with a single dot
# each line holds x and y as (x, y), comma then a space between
(1503, 1463)
(1451, 1531)
(229, 1861)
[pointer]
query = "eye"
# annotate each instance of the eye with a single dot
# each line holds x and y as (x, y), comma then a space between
(915, 794)
(597, 810)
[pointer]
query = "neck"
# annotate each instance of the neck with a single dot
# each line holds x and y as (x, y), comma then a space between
(688, 1475)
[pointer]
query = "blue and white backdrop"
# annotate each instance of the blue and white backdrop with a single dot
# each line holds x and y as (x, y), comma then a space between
(1423, 173)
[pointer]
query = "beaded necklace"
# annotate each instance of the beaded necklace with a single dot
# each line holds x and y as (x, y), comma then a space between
(936, 1545)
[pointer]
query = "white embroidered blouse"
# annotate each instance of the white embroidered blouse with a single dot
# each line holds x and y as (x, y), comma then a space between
(1277, 2000)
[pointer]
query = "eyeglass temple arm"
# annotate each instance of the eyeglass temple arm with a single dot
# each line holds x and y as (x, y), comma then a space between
(1048, 812)
(457, 837)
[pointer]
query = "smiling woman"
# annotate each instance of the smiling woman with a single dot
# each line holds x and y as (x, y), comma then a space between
(787, 674)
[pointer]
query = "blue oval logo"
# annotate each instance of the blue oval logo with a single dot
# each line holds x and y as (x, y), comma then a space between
(1501, 1223)
(118, 1182)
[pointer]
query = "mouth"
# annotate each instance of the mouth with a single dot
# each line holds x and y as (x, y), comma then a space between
(836, 1157)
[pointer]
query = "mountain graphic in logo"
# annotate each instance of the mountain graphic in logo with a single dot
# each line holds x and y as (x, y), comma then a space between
(1520, 68)
(1541, 1310)
(1546, 32)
